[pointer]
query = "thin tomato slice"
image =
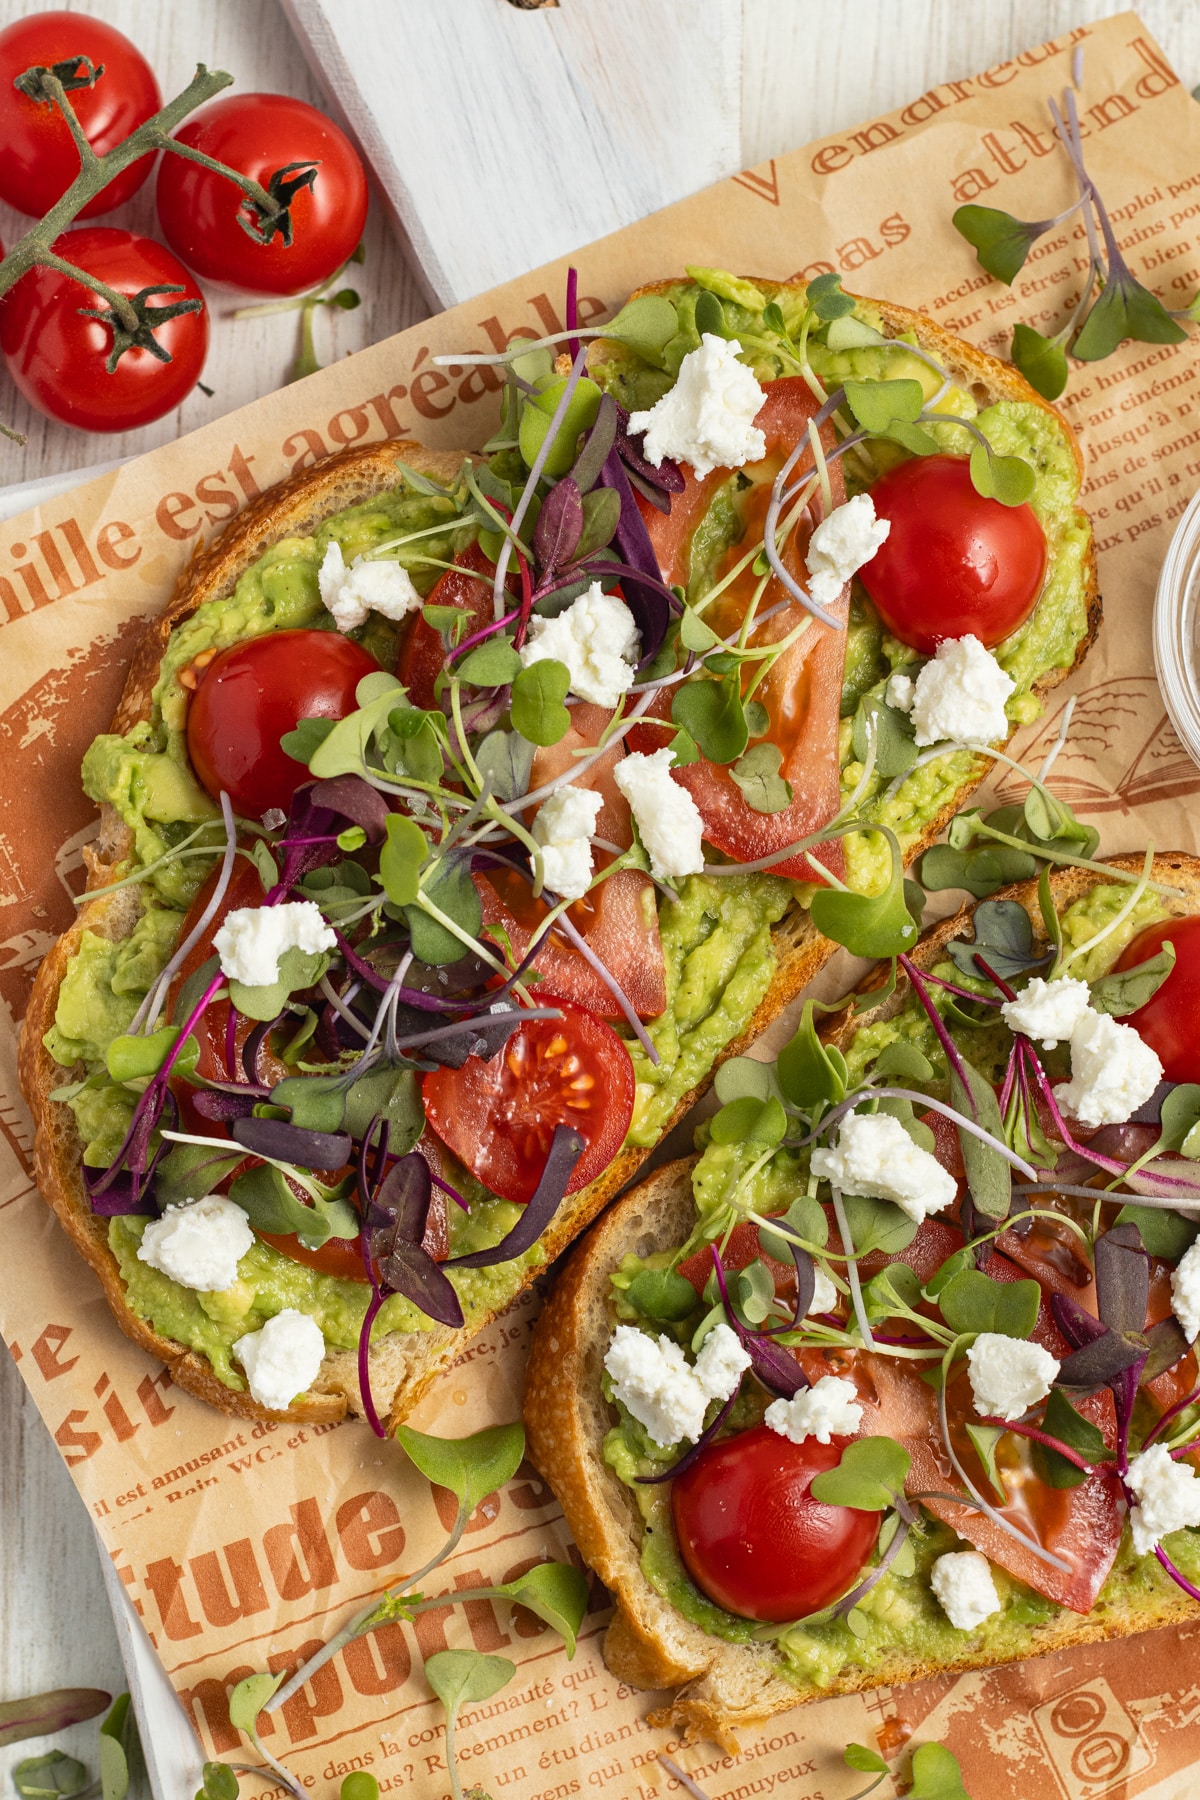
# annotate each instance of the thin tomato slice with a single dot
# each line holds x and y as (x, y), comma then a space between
(499, 1117)
(619, 919)
(422, 653)
(803, 692)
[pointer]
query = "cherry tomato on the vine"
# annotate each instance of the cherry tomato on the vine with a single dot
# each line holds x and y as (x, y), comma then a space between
(499, 1117)
(58, 357)
(954, 562)
(753, 1538)
(38, 157)
(260, 135)
(1168, 1021)
(250, 695)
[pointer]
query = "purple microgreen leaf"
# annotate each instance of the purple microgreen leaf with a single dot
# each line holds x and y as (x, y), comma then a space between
(1077, 1326)
(402, 1199)
(220, 1104)
(1168, 1345)
(1122, 1278)
(292, 1143)
(1098, 1363)
(355, 799)
(39, 1714)
(666, 475)
(644, 597)
(775, 1367)
(253, 1047)
(566, 1148)
(690, 1456)
(559, 525)
(596, 446)
(411, 1271)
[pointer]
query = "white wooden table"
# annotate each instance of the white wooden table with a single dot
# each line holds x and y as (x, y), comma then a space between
(808, 68)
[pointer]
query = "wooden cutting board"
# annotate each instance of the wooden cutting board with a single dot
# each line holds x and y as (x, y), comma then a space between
(502, 137)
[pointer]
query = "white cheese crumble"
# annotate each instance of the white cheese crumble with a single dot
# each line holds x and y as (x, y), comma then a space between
(875, 1157)
(378, 585)
(1048, 1010)
(653, 1380)
(597, 640)
(825, 1295)
(840, 546)
(960, 695)
(828, 1410)
(1008, 1375)
(1112, 1072)
(198, 1244)
(252, 939)
(707, 418)
(283, 1359)
(963, 1583)
(899, 691)
(1168, 1497)
(668, 819)
(563, 827)
(1185, 1292)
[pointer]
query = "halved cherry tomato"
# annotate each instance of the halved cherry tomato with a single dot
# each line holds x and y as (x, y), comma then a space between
(422, 653)
(954, 562)
(254, 692)
(1170, 1020)
(753, 1538)
(499, 1117)
(803, 692)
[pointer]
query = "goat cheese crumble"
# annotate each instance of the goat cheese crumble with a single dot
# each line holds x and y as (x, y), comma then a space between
(199, 1244)
(964, 1586)
(368, 585)
(667, 818)
(1185, 1292)
(563, 826)
(1112, 1071)
(707, 418)
(1048, 1010)
(597, 640)
(828, 1410)
(959, 695)
(841, 545)
(875, 1157)
(252, 939)
(1008, 1375)
(1168, 1497)
(283, 1359)
(653, 1380)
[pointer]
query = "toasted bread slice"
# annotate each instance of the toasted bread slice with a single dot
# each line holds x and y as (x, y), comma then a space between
(724, 1688)
(403, 1364)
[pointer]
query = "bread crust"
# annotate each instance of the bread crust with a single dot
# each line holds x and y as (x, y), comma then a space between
(405, 1363)
(724, 1688)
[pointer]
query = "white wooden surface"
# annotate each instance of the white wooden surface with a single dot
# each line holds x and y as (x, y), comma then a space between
(503, 137)
(808, 68)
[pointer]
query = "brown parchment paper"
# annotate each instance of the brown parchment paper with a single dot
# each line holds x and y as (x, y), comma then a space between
(242, 1546)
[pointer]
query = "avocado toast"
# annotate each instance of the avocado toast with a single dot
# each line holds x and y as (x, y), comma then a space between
(692, 965)
(1048, 1486)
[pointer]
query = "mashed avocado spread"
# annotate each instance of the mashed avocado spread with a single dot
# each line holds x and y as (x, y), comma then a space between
(900, 1615)
(716, 934)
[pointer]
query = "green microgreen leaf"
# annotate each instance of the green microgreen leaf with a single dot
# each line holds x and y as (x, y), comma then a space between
(1008, 479)
(1125, 990)
(538, 693)
(353, 838)
(877, 404)
(317, 1102)
(344, 750)
(536, 414)
(1000, 242)
(360, 1784)
(188, 1172)
(878, 1225)
(824, 294)
(807, 1219)
(756, 775)
(392, 1094)
(459, 1677)
(695, 634)
(894, 733)
(452, 891)
(601, 516)
(985, 1439)
(810, 1073)
(645, 325)
(936, 1775)
(447, 621)
(875, 925)
(903, 1061)
(248, 1699)
(505, 759)
(972, 1301)
(119, 1749)
(306, 739)
(268, 1201)
(1062, 1421)
(1124, 309)
(471, 1467)
(709, 315)
(53, 1776)
(869, 1476)
(1041, 360)
(1164, 1233)
(711, 713)
(867, 1762)
(749, 1120)
(298, 970)
(556, 1592)
(493, 663)
(1179, 1116)
(743, 1075)
(980, 872)
(754, 1293)
(662, 1295)
(1003, 937)
(219, 1782)
(989, 1175)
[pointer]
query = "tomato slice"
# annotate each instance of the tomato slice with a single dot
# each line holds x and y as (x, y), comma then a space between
(1167, 1022)
(753, 1538)
(499, 1117)
(803, 692)
(422, 652)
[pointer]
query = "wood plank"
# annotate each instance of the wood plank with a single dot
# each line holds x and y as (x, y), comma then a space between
(504, 138)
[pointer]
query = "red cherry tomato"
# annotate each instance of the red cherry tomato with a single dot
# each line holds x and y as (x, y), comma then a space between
(954, 562)
(260, 134)
(1168, 1021)
(58, 358)
(752, 1536)
(499, 1117)
(38, 158)
(251, 695)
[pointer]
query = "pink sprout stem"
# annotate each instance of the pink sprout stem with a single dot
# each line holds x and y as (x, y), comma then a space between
(1043, 1437)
